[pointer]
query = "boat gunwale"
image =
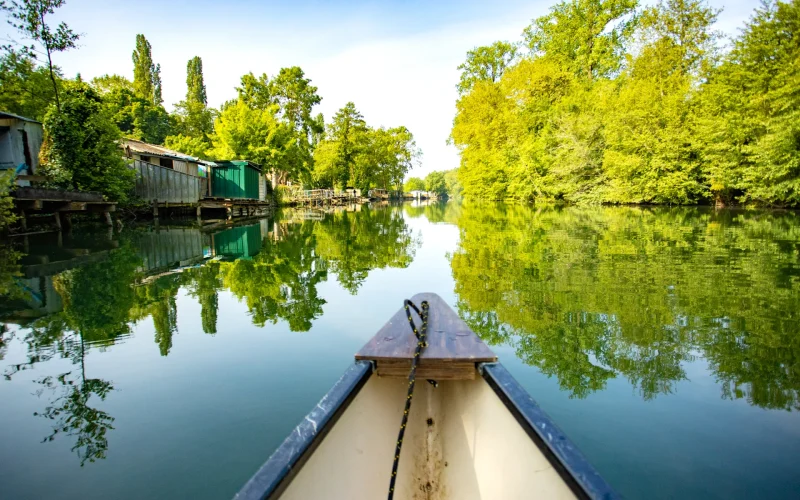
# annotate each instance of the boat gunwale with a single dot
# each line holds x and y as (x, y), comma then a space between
(570, 463)
(275, 475)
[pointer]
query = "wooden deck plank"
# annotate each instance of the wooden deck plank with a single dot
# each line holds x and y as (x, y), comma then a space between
(450, 340)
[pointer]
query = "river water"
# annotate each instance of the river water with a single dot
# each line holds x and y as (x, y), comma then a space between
(170, 362)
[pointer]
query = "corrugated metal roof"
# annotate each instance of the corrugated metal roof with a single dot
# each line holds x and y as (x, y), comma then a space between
(152, 149)
(5, 114)
(227, 163)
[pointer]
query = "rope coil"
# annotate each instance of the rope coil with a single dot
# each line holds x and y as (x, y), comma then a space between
(412, 378)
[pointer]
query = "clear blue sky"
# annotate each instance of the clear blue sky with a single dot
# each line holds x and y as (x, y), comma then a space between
(396, 60)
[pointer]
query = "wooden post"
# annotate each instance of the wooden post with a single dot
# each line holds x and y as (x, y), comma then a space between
(57, 217)
(23, 220)
(155, 209)
(107, 216)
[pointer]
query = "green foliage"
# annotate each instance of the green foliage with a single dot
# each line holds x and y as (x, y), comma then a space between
(25, 89)
(243, 132)
(28, 17)
(435, 183)
(452, 184)
(80, 150)
(354, 154)
(585, 36)
(580, 120)
(192, 146)
(195, 86)
(146, 75)
(749, 112)
(486, 64)
(7, 215)
(136, 117)
(414, 184)
(343, 152)
(291, 97)
(193, 120)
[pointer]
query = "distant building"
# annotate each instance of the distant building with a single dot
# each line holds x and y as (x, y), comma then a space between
(20, 142)
(417, 195)
(163, 157)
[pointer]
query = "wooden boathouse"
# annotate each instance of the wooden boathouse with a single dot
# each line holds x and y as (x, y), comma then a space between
(169, 180)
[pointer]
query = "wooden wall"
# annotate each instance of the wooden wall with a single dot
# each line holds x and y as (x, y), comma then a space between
(165, 185)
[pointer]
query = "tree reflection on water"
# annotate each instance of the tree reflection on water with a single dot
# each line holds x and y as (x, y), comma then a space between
(591, 294)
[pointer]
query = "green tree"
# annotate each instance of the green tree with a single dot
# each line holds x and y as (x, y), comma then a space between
(587, 36)
(242, 132)
(341, 160)
(486, 64)
(651, 154)
(435, 183)
(749, 112)
(195, 85)
(136, 117)
(452, 184)
(192, 146)
(193, 119)
(414, 184)
(26, 89)
(390, 154)
(146, 74)
(292, 97)
(81, 150)
(28, 16)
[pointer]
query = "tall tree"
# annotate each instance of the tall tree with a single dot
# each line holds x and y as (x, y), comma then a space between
(346, 138)
(750, 110)
(254, 134)
(586, 35)
(146, 74)
(652, 153)
(486, 64)
(137, 117)
(28, 16)
(292, 97)
(195, 85)
(193, 120)
(158, 100)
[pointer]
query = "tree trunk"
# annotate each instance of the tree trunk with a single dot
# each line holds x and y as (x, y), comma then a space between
(50, 66)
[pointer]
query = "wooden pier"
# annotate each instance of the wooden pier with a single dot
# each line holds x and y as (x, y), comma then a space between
(321, 197)
(62, 204)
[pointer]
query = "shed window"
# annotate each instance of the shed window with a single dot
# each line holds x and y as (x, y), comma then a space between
(165, 162)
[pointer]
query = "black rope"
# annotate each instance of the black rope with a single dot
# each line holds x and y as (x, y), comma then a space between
(412, 377)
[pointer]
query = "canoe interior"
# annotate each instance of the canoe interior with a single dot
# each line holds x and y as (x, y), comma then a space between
(461, 443)
(471, 436)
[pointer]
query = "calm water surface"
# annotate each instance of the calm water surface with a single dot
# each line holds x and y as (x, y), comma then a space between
(170, 363)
